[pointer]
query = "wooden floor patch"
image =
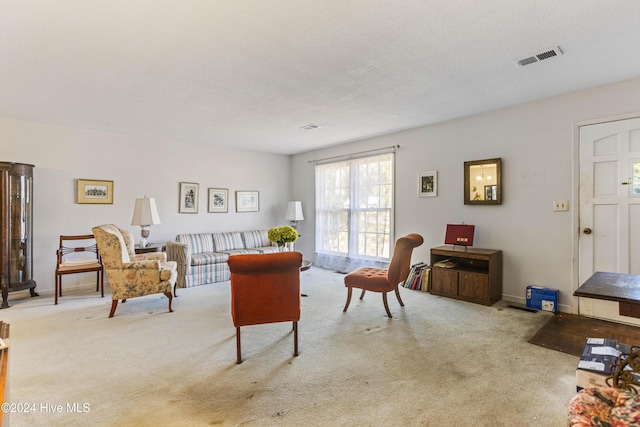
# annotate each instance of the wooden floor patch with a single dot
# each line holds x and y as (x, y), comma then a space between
(567, 333)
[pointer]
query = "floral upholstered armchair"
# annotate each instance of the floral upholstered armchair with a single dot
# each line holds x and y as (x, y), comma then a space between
(617, 405)
(132, 275)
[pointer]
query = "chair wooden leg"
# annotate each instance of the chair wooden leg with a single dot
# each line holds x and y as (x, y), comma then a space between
(398, 296)
(175, 288)
(114, 304)
(238, 349)
(295, 339)
(102, 284)
(362, 294)
(386, 306)
(170, 296)
(349, 289)
(57, 285)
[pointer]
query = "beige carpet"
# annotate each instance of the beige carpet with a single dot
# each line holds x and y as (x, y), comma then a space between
(438, 362)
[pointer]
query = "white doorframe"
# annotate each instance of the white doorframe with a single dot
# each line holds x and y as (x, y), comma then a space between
(575, 202)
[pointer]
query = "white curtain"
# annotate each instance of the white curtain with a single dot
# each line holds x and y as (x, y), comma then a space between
(354, 213)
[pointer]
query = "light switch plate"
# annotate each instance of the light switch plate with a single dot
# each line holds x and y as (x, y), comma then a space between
(560, 205)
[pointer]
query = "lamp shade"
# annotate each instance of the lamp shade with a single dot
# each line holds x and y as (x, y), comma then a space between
(145, 212)
(294, 211)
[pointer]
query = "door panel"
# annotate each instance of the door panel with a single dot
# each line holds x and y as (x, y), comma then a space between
(609, 198)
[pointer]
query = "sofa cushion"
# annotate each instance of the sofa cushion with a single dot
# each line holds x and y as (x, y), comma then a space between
(210, 258)
(256, 239)
(227, 241)
(242, 252)
(267, 249)
(198, 243)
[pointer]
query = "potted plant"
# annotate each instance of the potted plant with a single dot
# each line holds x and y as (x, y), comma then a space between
(282, 235)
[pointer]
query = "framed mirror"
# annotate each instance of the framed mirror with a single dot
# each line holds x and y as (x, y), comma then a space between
(483, 182)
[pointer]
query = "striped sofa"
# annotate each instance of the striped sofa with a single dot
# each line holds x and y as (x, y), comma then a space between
(202, 257)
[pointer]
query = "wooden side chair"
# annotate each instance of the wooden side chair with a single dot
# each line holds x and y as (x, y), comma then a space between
(78, 254)
(265, 288)
(385, 280)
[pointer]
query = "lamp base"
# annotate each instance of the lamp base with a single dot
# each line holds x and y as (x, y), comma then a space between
(144, 233)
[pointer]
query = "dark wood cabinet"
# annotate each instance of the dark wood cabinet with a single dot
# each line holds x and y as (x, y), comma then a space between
(475, 274)
(16, 229)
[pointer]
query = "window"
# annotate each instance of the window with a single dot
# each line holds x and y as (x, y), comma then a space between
(354, 212)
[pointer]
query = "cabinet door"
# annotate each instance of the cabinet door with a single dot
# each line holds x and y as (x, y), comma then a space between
(444, 281)
(474, 285)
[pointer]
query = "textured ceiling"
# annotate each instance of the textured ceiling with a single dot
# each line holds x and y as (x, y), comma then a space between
(250, 73)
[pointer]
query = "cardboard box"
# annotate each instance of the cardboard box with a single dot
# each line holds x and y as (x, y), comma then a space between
(594, 366)
(586, 379)
(545, 299)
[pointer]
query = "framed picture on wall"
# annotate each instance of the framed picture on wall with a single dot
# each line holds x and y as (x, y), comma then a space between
(189, 194)
(218, 200)
(428, 184)
(95, 191)
(247, 201)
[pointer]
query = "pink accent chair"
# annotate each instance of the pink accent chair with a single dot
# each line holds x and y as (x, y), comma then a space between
(385, 280)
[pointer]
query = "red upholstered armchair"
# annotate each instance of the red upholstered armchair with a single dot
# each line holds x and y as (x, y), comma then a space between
(265, 288)
(385, 280)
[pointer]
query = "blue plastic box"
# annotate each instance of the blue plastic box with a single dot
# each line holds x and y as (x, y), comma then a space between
(544, 299)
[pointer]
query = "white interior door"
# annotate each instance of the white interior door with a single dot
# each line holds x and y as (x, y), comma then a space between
(610, 198)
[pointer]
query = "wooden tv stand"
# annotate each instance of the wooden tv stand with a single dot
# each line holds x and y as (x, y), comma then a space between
(476, 277)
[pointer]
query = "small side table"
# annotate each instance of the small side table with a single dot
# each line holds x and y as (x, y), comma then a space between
(151, 247)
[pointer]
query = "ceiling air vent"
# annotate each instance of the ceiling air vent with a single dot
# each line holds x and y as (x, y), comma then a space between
(549, 53)
(310, 127)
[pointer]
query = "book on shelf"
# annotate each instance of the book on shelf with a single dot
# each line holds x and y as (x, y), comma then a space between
(416, 274)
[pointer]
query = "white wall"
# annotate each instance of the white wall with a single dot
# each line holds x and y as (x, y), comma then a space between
(538, 150)
(138, 168)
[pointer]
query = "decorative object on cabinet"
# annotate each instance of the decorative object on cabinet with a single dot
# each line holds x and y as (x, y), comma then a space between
(472, 274)
(218, 200)
(265, 289)
(132, 275)
(145, 214)
(385, 280)
(95, 191)
(294, 213)
(189, 194)
(483, 182)
(459, 234)
(72, 259)
(16, 229)
(247, 201)
(428, 184)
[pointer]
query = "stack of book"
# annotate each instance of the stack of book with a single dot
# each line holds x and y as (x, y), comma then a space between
(418, 278)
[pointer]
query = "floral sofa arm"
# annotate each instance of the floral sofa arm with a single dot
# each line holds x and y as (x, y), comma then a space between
(181, 254)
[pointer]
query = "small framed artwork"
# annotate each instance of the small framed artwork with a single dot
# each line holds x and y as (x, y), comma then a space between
(95, 191)
(428, 184)
(247, 201)
(189, 192)
(218, 199)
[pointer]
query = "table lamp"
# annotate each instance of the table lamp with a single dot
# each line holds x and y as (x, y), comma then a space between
(294, 213)
(145, 214)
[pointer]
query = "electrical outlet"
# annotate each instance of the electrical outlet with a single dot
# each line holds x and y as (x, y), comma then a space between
(560, 205)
